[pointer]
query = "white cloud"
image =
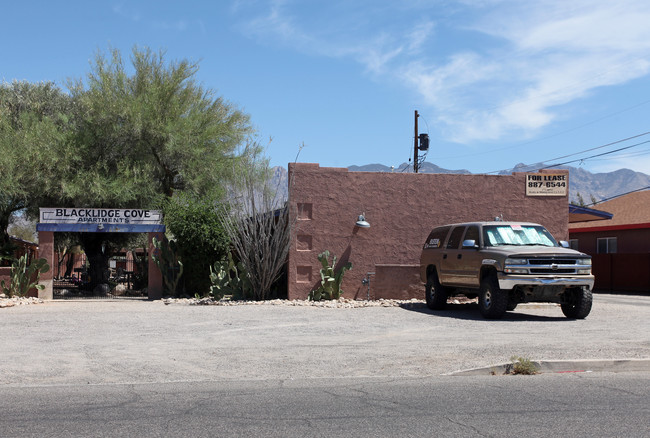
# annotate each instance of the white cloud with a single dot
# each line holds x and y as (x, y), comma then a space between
(334, 35)
(128, 13)
(548, 56)
(419, 36)
(487, 68)
(274, 23)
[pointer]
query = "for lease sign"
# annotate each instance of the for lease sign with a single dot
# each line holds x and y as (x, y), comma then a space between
(99, 216)
(547, 184)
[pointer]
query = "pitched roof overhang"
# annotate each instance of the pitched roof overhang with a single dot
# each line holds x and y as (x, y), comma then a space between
(584, 214)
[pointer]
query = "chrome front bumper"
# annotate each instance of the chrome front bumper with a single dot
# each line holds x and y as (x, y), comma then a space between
(510, 281)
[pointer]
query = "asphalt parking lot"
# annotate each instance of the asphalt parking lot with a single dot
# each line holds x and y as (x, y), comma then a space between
(95, 342)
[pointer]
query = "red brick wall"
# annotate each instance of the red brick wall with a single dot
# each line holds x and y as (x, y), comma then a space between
(401, 209)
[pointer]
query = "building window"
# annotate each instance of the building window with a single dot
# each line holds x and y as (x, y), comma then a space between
(606, 245)
(573, 244)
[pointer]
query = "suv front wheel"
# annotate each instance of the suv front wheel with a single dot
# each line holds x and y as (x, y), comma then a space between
(492, 301)
(435, 293)
(577, 303)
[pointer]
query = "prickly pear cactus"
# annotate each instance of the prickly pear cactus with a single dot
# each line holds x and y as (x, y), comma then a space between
(24, 277)
(229, 278)
(330, 284)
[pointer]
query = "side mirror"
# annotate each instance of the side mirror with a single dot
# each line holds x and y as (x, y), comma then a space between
(470, 244)
(564, 244)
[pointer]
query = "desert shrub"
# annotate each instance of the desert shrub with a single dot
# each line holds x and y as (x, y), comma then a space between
(200, 239)
(522, 365)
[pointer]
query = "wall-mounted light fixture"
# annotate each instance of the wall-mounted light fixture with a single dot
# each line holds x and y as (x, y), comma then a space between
(361, 221)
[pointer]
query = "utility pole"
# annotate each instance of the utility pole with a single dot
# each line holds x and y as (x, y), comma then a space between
(415, 144)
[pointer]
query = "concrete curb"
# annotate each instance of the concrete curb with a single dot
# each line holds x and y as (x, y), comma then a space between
(565, 366)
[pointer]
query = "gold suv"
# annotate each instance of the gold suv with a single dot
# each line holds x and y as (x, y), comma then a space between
(504, 264)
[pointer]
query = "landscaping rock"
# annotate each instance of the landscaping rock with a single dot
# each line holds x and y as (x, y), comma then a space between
(17, 301)
(101, 289)
(119, 290)
(341, 303)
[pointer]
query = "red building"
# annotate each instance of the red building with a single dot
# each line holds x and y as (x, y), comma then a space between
(620, 246)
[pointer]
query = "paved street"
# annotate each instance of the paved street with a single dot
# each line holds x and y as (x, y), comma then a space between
(566, 405)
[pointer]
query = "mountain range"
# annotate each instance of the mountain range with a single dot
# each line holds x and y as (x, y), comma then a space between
(584, 186)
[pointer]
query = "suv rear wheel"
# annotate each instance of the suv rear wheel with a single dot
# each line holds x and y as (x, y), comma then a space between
(492, 302)
(435, 293)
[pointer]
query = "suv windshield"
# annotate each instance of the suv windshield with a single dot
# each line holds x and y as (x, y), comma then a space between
(496, 235)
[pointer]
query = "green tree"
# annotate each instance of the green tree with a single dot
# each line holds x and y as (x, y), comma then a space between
(201, 240)
(580, 202)
(151, 132)
(146, 133)
(35, 121)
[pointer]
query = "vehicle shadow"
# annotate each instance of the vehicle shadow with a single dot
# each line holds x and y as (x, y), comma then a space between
(470, 312)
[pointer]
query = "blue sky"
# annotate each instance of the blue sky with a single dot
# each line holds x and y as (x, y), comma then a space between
(496, 82)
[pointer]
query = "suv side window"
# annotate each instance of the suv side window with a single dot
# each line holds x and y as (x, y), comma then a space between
(472, 234)
(454, 238)
(437, 237)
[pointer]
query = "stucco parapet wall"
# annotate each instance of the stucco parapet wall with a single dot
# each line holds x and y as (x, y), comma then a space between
(304, 167)
(549, 170)
(401, 208)
(316, 166)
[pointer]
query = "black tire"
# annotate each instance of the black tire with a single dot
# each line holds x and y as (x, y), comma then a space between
(435, 294)
(577, 303)
(511, 306)
(492, 301)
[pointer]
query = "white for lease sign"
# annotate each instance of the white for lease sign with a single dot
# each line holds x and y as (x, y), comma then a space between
(547, 184)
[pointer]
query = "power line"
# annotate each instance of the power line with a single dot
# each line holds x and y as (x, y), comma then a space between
(628, 155)
(597, 155)
(590, 149)
(600, 147)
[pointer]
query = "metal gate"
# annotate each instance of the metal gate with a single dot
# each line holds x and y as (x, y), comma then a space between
(127, 279)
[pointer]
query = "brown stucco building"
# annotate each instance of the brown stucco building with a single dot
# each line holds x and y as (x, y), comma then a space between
(401, 208)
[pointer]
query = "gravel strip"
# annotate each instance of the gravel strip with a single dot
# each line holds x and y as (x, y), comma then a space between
(5, 301)
(341, 303)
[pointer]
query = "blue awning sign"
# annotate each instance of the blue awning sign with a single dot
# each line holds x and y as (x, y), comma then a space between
(113, 220)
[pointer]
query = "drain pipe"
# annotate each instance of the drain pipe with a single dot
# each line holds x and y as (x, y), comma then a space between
(366, 281)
